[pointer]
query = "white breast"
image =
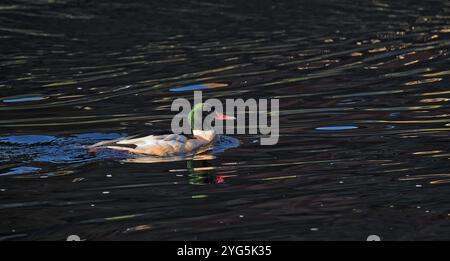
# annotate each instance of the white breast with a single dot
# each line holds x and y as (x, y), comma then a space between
(208, 135)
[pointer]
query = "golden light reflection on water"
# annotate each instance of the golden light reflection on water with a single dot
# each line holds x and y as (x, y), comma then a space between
(397, 113)
(435, 93)
(440, 181)
(411, 63)
(149, 159)
(427, 152)
(423, 81)
(442, 73)
(436, 179)
(434, 100)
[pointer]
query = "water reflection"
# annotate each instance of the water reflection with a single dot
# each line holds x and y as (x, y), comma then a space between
(363, 89)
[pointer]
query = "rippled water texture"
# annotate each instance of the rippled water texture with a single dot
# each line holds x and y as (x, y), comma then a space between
(365, 121)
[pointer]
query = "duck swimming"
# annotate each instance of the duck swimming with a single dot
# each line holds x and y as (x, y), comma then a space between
(169, 144)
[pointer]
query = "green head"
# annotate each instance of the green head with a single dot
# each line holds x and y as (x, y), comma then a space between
(196, 115)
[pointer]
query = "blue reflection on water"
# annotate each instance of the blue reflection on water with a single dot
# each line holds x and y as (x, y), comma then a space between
(336, 128)
(31, 149)
(24, 99)
(21, 170)
(192, 87)
(33, 154)
(27, 139)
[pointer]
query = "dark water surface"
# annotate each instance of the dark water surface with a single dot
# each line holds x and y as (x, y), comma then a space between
(365, 121)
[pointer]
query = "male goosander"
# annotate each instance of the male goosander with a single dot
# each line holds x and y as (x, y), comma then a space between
(170, 144)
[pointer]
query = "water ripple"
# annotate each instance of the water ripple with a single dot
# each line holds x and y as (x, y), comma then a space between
(363, 89)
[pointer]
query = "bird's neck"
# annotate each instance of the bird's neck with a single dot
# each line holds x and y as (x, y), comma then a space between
(207, 135)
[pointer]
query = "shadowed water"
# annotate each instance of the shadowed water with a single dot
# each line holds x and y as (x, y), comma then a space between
(364, 119)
